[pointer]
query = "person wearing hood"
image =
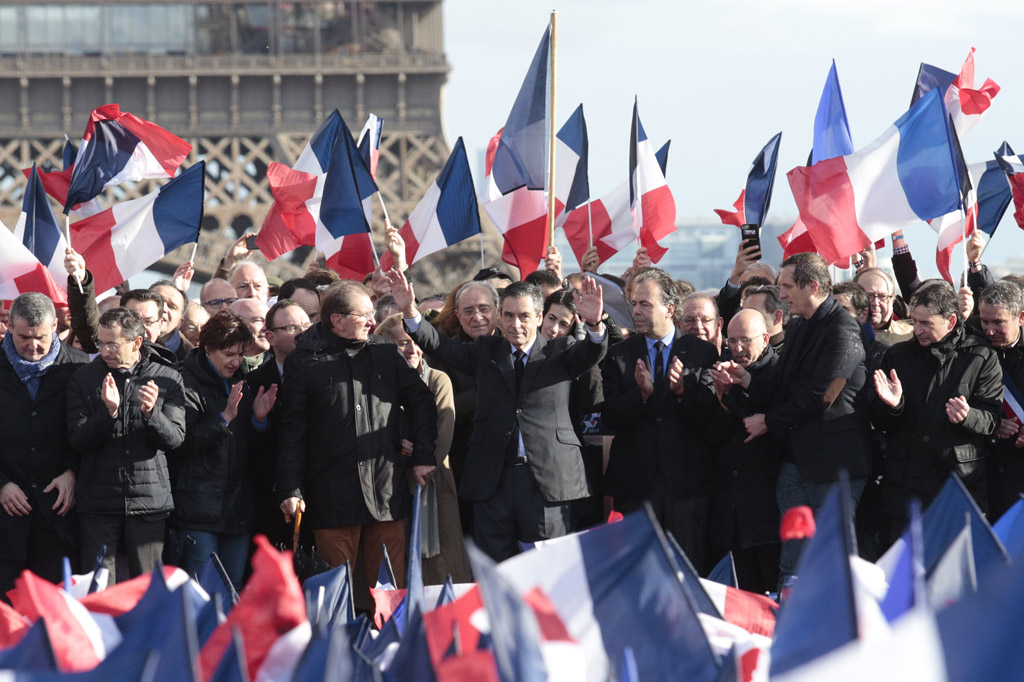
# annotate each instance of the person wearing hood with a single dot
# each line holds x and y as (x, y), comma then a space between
(37, 469)
(939, 397)
(213, 508)
(126, 410)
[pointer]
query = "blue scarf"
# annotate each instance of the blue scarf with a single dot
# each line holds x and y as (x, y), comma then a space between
(30, 373)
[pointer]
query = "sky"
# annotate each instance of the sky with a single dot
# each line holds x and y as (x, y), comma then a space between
(720, 78)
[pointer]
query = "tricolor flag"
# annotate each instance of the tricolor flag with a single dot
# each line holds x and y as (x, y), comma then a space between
(119, 147)
(1013, 401)
(516, 168)
(21, 272)
(650, 200)
(572, 184)
(831, 139)
(1013, 166)
(369, 143)
(39, 230)
(752, 204)
(965, 104)
(446, 215)
(297, 192)
(127, 238)
(906, 175)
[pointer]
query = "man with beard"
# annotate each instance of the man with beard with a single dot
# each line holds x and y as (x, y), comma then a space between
(658, 398)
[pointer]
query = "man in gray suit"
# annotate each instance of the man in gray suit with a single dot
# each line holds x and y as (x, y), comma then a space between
(524, 464)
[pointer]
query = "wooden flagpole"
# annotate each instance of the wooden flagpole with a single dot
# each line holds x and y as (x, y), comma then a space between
(552, 43)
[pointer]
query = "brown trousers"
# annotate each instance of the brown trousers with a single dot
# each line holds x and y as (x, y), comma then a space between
(347, 543)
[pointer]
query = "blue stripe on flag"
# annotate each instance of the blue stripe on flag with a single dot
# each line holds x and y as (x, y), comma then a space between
(994, 197)
(322, 142)
(831, 129)
(42, 233)
(348, 183)
(106, 155)
(924, 160)
(178, 209)
(457, 210)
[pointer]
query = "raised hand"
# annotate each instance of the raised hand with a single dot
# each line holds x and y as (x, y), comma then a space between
(74, 263)
(264, 401)
(590, 260)
(965, 301)
(642, 260)
(110, 395)
(675, 376)
(745, 256)
(237, 252)
(589, 301)
(888, 388)
(957, 409)
(148, 393)
(643, 379)
(975, 245)
(402, 290)
(553, 261)
(231, 408)
(396, 245)
(182, 278)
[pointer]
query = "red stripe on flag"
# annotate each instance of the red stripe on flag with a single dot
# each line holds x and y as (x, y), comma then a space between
(526, 245)
(752, 612)
(733, 217)
(39, 280)
(385, 602)
(824, 196)
(355, 258)
(36, 598)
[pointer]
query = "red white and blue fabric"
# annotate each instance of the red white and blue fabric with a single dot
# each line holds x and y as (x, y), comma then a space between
(906, 175)
(607, 223)
(127, 238)
(1013, 400)
(516, 170)
(119, 147)
(752, 205)
(1013, 166)
(21, 272)
(39, 230)
(572, 183)
(369, 143)
(650, 200)
(446, 215)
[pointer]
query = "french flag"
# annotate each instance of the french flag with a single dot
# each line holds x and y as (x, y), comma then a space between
(831, 139)
(516, 167)
(343, 229)
(39, 230)
(369, 143)
(127, 238)
(1013, 166)
(572, 184)
(752, 204)
(297, 192)
(987, 201)
(906, 175)
(446, 215)
(1013, 401)
(650, 200)
(21, 272)
(607, 222)
(120, 147)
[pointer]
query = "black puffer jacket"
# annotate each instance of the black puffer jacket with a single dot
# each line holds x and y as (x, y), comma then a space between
(341, 432)
(922, 446)
(211, 491)
(123, 465)
(35, 447)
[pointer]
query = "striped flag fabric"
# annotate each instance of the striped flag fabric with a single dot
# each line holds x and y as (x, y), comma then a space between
(1013, 400)
(127, 238)
(572, 183)
(446, 215)
(21, 272)
(650, 200)
(752, 204)
(39, 230)
(369, 143)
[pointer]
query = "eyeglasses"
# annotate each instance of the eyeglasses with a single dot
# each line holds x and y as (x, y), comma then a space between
(742, 341)
(366, 317)
(881, 298)
(292, 328)
(190, 328)
(220, 302)
(483, 309)
(694, 320)
(111, 346)
(150, 321)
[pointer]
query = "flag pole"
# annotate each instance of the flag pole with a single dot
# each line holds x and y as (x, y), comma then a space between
(590, 224)
(387, 220)
(481, 235)
(195, 247)
(963, 236)
(551, 136)
(67, 235)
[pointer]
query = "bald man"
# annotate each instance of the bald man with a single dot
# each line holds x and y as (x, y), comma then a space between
(744, 512)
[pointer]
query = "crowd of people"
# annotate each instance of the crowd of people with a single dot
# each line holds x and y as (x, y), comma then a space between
(525, 410)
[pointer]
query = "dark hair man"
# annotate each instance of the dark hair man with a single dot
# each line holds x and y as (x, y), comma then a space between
(939, 396)
(126, 409)
(37, 468)
(658, 398)
(524, 464)
(340, 458)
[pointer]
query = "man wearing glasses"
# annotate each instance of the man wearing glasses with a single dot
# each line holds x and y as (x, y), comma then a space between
(346, 396)
(217, 295)
(881, 288)
(126, 409)
(700, 318)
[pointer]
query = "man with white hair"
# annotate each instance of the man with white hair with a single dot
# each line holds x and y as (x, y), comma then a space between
(249, 281)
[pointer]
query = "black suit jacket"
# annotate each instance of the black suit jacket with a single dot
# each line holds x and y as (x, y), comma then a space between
(664, 436)
(819, 400)
(541, 409)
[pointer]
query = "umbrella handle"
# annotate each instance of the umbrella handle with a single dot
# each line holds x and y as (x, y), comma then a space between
(297, 524)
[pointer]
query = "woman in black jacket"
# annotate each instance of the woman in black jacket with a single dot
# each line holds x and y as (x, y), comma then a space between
(212, 506)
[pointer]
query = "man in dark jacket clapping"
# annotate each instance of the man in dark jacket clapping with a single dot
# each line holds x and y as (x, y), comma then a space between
(126, 409)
